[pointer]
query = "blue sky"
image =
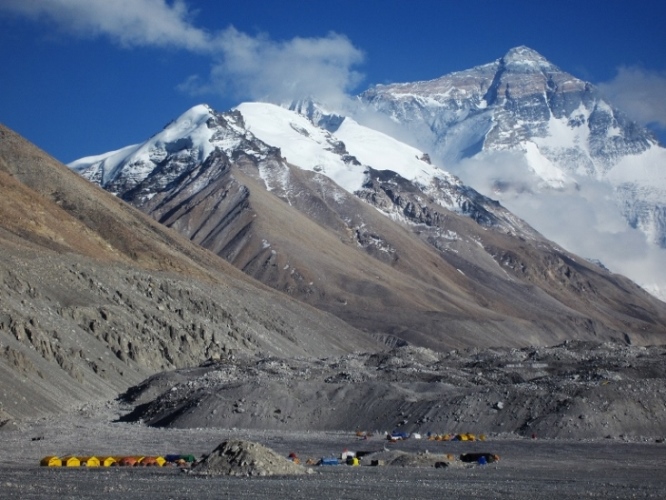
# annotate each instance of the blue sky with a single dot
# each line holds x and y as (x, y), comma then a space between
(82, 77)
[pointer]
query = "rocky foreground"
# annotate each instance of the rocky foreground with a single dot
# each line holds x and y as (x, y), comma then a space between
(571, 421)
(527, 469)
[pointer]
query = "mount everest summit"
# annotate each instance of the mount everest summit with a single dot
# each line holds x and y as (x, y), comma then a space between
(552, 149)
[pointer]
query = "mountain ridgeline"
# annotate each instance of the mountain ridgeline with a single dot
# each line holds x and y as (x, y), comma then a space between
(364, 227)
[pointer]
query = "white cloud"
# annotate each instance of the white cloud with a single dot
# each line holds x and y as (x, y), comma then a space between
(252, 67)
(261, 68)
(583, 219)
(640, 93)
(418, 136)
(128, 22)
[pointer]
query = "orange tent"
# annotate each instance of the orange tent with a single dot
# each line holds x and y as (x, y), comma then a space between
(127, 461)
(152, 461)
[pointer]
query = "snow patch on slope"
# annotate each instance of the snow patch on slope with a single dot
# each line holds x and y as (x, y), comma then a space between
(383, 152)
(647, 168)
(342, 156)
(301, 143)
(104, 164)
(550, 175)
(189, 132)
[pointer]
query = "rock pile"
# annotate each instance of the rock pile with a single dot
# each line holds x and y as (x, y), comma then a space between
(245, 458)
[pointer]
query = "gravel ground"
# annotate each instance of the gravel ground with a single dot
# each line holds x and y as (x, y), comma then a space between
(529, 469)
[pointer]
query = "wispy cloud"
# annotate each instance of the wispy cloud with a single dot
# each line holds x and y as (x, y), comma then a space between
(584, 218)
(251, 67)
(640, 93)
(128, 22)
(266, 69)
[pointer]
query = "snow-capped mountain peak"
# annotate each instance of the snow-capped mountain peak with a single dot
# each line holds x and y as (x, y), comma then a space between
(189, 139)
(525, 59)
(559, 132)
(361, 161)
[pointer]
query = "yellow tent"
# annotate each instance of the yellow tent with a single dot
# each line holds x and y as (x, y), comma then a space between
(50, 461)
(108, 461)
(89, 461)
(71, 462)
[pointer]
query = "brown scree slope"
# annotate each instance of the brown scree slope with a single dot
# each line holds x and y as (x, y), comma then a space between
(95, 296)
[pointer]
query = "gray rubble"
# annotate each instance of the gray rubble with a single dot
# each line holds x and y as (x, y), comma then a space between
(573, 390)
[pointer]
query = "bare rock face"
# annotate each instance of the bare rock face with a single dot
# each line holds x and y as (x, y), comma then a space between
(245, 458)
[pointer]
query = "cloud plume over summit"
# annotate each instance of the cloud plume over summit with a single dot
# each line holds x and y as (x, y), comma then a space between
(639, 92)
(583, 217)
